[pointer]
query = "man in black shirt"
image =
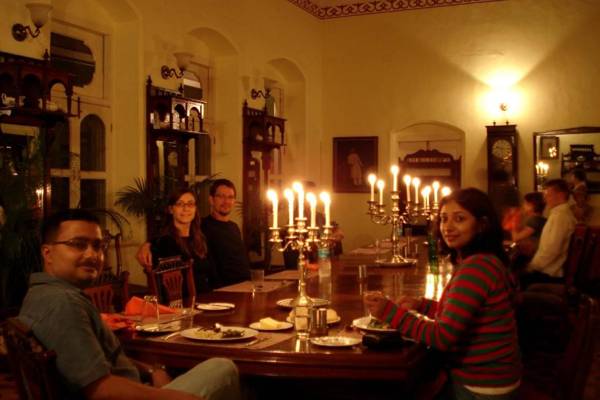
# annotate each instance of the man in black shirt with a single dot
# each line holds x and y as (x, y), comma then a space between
(223, 236)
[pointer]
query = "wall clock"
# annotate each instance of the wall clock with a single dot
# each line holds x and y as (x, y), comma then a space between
(502, 155)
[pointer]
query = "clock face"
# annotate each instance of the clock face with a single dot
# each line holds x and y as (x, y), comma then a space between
(502, 149)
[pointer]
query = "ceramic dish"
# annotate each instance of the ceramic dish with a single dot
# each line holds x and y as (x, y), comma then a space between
(287, 303)
(335, 341)
(211, 336)
(329, 321)
(156, 329)
(215, 306)
(363, 324)
(281, 327)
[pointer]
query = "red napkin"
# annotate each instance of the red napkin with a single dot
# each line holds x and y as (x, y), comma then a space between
(116, 321)
(135, 306)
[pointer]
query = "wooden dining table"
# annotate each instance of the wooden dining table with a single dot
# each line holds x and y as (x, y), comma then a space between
(290, 357)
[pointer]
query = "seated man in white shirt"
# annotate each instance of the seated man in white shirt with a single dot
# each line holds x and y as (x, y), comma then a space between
(547, 263)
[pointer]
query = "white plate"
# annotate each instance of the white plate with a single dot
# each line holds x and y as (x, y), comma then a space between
(363, 324)
(335, 341)
(215, 306)
(195, 334)
(155, 329)
(287, 303)
(329, 321)
(282, 326)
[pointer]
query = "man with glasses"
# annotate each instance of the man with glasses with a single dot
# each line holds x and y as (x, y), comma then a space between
(223, 236)
(89, 356)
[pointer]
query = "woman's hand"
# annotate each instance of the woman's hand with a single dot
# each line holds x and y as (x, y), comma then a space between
(144, 256)
(408, 302)
(375, 303)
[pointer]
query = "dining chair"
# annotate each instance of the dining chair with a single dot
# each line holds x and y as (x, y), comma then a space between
(33, 367)
(564, 375)
(172, 280)
(109, 292)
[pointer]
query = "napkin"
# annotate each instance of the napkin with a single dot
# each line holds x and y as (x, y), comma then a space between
(135, 306)
(116, 321)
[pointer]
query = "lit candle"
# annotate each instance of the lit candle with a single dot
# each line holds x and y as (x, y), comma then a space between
(312, 201)
(407, 179)
(289, 195)
(326, 199)
(436, 187)
(39, 192)
(416, 182)
(372, 179)
(425, 193)
(297, 186)
(380, 186)
(272, 195)
(395, 171)
(446, 191)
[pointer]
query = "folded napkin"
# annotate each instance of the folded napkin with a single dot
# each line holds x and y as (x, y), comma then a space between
(137, 305)
(116, 321)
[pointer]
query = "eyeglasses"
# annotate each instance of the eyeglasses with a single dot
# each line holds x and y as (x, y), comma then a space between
(224, 197)
(189, 204)
(82, 244)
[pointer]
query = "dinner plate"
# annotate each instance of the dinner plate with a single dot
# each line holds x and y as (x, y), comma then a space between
(363, 324)
(335, 341)
(287, 303)
(204, 335)
(156, 329)
(283, 325)
(215, 306)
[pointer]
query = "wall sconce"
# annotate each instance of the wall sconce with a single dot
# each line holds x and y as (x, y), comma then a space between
(183, 61)
(259, 93)
(39, 16)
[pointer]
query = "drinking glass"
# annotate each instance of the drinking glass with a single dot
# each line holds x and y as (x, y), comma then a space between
(257, 276)
(150, 311)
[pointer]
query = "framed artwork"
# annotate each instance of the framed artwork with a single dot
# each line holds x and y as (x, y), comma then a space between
(353, 159)
(549, 147)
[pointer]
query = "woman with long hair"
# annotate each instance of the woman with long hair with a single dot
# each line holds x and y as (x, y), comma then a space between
(181, 236)
(473, 321)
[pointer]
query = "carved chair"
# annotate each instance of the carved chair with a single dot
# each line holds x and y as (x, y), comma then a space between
(34, 367)
(109, 293)
(167, 281)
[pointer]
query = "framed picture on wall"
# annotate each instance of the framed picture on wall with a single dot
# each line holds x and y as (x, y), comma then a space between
(549, 147)
(353, 159)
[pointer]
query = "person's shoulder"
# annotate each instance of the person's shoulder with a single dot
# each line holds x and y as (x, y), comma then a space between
(50, 300)
(483, 261)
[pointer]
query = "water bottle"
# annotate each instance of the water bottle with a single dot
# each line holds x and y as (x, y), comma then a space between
(324, 261)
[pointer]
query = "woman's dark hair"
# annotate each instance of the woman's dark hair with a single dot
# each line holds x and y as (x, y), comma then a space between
(198, 242)
(536, 199)
(489, 237)
(579, 174)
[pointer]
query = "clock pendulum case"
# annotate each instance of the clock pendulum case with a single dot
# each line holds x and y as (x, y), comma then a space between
(502, 155)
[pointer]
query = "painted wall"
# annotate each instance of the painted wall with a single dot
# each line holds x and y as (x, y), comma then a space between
(386, 72)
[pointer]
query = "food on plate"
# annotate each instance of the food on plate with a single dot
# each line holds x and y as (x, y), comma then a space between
(210, 334)
(377, 324)
(269, 323)
(332, 316)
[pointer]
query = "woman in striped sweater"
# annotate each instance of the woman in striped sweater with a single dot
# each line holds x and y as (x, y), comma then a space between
(474, 319)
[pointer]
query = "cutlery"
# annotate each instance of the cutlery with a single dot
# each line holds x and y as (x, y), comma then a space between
(169, 336)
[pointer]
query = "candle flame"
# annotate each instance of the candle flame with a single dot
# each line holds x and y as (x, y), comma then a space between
(372, 178)
(311, 198)
(395, 169)
(416, 182)
(380, 184)
(272, 195)
(407, 179)
(297, 186)
(446, 191)
(426, 190)
(325, 197)
(436, 185)
(288, 194)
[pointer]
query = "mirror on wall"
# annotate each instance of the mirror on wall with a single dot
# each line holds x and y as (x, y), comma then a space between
(558, 152)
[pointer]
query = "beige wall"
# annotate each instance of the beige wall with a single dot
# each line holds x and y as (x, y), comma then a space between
(383, 73)
(372, 75)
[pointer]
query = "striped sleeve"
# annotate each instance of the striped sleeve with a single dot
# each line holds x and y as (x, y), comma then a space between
(428, 307)
(465, 296)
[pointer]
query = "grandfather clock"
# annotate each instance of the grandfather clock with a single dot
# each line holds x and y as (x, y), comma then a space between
(502, 156)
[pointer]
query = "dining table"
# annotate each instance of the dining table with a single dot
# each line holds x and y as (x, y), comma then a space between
(281, 354)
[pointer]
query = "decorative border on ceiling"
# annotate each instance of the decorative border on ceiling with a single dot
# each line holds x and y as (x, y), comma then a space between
(376, 7)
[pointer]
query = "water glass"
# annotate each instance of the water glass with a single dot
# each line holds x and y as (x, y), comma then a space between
(257, 276)
(187, 314)
(150, 311)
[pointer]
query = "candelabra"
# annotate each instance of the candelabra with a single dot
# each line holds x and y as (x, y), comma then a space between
(303, 239)
(398, 219)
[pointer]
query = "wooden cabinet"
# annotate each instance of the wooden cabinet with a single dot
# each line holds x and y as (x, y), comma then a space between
(172, 121)
(263, 135)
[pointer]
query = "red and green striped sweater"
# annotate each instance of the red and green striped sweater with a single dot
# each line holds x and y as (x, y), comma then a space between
(474, 321)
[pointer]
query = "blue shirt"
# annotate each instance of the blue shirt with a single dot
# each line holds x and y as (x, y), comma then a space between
(64, 319)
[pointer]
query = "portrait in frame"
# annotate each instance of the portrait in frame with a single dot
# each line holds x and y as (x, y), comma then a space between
(549, 147)
(353, 159)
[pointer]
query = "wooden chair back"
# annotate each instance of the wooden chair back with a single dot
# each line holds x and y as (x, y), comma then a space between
(109, 293)
(575, 254)
(34, 367)
(588, 274)
(116, 248)
(167, 281)
(573, 372)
